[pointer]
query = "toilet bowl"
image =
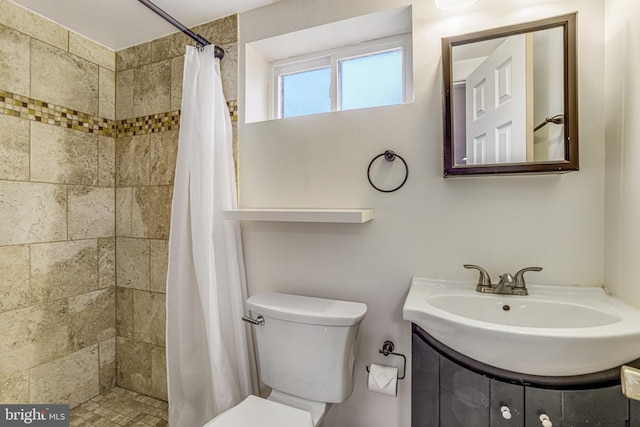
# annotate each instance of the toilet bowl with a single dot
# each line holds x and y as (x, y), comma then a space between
(278, 410)
(256, 411)
(306, 349)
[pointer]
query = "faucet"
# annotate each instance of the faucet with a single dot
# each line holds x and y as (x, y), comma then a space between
(507, 285)
(506, 282)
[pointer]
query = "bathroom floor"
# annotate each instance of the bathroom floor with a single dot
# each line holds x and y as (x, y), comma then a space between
(119, 407)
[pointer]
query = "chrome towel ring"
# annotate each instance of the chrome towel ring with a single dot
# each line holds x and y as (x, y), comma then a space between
(389, 156)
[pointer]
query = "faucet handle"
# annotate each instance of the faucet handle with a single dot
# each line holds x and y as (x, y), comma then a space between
(484, 281)
(519, 277)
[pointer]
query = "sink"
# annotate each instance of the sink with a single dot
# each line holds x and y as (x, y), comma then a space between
(554, 331)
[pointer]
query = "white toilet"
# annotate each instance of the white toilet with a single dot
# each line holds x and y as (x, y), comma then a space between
(306, 350)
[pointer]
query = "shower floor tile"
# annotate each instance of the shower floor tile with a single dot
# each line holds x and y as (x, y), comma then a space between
(119, 407)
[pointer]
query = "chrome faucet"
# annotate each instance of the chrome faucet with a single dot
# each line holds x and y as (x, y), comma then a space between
(507, 285)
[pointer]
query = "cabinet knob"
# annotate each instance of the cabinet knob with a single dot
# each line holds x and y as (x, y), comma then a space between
(506, 412)
(546, 422)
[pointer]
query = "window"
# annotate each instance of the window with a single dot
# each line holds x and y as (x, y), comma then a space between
(370, 74)
(314, 66)
(303, 89)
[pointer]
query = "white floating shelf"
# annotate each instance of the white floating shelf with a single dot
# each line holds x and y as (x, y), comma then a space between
(351, 216)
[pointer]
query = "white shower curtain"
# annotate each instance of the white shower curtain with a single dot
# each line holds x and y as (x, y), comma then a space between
(207, 356)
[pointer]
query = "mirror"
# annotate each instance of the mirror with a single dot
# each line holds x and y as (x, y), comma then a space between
(511, 99)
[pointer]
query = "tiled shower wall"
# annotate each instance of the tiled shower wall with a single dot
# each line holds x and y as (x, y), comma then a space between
(148, 97)
(57, 244)
(88, 140)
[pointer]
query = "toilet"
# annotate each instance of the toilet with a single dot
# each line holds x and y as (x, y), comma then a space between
(306, 351)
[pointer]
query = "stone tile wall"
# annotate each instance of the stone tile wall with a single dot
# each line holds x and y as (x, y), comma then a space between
(88, 141)
(148, 96)
(57, 200)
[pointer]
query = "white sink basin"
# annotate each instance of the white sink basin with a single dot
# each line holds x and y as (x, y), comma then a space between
(554, 331)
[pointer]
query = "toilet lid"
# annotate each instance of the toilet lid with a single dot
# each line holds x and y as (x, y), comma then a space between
(257, 412)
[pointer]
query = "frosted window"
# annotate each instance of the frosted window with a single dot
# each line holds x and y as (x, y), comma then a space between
(369, 74)
(371, 80)
(306, 92)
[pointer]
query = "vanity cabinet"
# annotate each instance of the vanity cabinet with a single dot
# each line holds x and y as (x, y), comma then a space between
(447, 394)
(634, 413)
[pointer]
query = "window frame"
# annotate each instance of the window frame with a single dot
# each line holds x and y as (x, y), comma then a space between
(332, 58)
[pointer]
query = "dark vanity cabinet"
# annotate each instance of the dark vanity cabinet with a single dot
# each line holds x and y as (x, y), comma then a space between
(634, 413)
(446, 393)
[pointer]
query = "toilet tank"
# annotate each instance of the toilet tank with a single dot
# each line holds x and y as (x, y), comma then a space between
(307, 346)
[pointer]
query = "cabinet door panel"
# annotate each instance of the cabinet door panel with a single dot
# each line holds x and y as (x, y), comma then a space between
(464, 397)
(604, 405)
(458, 412)
(425, 385)
(511, 396)
(611, 424)
(540, 401)
(634, 413)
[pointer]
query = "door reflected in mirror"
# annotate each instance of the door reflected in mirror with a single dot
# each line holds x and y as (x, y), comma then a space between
(510, 98)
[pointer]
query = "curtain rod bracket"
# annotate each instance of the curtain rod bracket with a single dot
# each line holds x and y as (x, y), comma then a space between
(219, 52)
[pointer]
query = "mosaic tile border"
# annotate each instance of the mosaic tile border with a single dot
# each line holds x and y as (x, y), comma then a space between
(40, 111)
(233, 110)
(148, 124)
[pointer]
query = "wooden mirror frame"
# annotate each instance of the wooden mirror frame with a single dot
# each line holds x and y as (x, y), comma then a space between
(570, 162)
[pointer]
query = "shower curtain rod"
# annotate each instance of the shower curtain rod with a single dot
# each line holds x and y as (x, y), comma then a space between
(219, 52)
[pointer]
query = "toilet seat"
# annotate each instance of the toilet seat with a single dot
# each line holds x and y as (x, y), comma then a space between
(258, 412)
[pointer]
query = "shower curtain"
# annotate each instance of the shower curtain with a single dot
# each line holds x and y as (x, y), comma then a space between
(207, 355)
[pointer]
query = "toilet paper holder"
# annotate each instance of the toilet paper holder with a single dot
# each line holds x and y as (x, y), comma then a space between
(387, 349)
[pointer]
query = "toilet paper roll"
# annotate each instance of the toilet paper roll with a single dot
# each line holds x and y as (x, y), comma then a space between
(630, 381)
(383, 379)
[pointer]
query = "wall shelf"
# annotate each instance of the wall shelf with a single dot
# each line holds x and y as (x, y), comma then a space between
(349, 216)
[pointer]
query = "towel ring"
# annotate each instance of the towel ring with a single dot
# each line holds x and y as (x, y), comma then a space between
(389, 156)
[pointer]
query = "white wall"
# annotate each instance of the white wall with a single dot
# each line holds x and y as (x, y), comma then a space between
(432, 225)
(623, 149)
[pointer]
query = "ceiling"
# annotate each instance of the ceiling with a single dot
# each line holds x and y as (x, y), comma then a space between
(118, 24)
